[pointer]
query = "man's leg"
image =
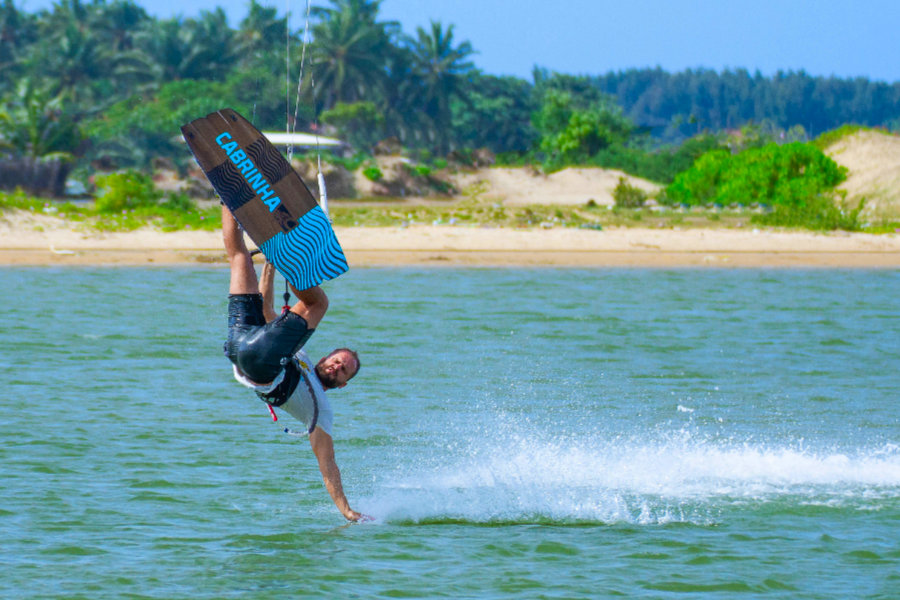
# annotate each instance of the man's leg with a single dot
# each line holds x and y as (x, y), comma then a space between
(243, 275)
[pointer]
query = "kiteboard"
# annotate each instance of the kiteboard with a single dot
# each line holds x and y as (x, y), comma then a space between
(267, 198)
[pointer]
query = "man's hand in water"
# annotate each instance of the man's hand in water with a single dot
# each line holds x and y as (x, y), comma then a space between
(323, 448)
(357, 517)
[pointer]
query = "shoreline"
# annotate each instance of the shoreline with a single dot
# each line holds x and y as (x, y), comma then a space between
(429, 245)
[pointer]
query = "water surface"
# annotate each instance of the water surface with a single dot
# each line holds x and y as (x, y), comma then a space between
(517, 433)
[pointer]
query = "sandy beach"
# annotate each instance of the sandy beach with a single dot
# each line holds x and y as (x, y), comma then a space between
(873, 160)
(33, 241)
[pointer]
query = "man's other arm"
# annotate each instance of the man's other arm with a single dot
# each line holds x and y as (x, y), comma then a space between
(312, 305)
(323, 448)
(267, 289)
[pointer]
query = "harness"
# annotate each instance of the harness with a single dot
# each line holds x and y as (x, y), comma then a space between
(292, 378)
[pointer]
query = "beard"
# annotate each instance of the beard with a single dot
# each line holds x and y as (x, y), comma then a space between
(328, 381)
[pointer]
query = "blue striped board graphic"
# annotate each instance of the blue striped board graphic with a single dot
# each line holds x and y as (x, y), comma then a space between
(309, 253)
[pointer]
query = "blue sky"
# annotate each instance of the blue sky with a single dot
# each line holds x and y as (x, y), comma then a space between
(824, 37)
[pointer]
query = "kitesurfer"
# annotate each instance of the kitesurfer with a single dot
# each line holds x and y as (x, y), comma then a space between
(267, 356)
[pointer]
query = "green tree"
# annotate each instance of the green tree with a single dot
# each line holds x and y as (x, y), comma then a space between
(261, 35)
(358, 123)
(134, 131)
(350, 51)
(201, 48)
(442, 70)
(119, 22)
(258, 78)
(17, 31)
(403, 116)
(573, 135)
(77, 62)
(477, 121)
(122, 25)
(582, 91)
(35, 124)
(88, 51)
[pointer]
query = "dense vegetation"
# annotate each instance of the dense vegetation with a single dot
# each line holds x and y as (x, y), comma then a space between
(101, 85)
(104, 80)
(796, 181)
(774, 175)
(677, 105)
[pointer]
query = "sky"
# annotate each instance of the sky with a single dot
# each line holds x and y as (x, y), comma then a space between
(511, 37)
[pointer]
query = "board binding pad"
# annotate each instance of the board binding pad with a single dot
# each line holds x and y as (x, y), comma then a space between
(267, 197)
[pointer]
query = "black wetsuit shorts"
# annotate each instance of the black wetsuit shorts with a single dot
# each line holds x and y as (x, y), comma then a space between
(257, 347)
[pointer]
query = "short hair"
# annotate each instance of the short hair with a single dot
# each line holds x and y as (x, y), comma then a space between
(354, 354)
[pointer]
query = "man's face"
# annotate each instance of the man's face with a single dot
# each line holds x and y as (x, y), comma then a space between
(336, 369)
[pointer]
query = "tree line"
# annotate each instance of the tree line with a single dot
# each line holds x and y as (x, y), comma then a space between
(676, 105)
(106, 84)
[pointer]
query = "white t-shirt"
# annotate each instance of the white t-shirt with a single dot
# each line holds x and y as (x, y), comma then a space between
(308, 394)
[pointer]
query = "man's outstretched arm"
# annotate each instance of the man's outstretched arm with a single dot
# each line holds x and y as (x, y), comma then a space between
(323, 448)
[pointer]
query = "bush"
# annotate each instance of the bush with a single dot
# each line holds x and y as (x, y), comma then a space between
(790, 175)
(18, 199)
(820, 214)
(628, 196)
(373, 173)
(126, 190)
(797, 180)
(179, 202)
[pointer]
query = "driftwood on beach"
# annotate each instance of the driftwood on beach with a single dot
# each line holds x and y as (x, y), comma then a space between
(36, 176)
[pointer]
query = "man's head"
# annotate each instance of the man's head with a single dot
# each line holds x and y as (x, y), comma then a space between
(336, 369)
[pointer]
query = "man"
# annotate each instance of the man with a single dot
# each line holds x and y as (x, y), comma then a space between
(267, 357)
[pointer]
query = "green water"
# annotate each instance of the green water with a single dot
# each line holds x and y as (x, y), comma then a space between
(516, 433)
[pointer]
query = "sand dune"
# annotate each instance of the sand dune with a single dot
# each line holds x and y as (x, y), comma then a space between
(572, 186)
(873, 161)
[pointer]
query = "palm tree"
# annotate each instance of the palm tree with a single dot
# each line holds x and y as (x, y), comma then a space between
(17, 31)
(261, 34)
(167, 44)
(78, 61)
(119, 22)
(40, 137)
(88, 53)
(403, 117)
(212, 47)
(351, 50)
(122, 25)
(201, 48)
(442, 70)
(33, 123)
(259, 76)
